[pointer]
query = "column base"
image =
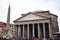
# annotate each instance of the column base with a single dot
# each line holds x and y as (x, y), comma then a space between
(44, 39)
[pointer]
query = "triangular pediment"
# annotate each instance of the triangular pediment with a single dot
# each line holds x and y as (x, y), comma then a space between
(30, 16)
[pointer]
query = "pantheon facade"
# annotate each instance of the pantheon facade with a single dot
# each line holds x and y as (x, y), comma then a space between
(39, 24)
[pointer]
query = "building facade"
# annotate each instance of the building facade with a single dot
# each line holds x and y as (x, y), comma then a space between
(2, 26)
(40, 24)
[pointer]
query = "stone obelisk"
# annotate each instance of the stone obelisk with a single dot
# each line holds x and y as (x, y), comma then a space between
(8, 18)
(7, 29)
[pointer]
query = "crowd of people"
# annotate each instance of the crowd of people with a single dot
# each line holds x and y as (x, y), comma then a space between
(19, 38)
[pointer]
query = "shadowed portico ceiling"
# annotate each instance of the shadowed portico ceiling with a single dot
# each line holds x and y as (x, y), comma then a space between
(30, 16)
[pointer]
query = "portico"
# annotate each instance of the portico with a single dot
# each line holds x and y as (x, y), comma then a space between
(33, 29)
(36, 24)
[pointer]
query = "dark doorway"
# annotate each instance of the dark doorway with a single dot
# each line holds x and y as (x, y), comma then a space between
(30, 31)
(41, 28)
(36, 30)
(21, 30)
(25, 30)
(47, 30)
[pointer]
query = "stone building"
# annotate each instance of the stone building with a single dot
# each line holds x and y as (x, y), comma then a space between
(2, 26)
(40, 24)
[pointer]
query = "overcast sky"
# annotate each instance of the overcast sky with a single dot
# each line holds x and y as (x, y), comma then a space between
(19, 7)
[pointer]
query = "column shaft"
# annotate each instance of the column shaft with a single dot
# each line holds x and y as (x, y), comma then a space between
(23, 31)
(33, 30)
(49, 30)
(19, 30)
(44, 32)
(28, 31)
(38, 30)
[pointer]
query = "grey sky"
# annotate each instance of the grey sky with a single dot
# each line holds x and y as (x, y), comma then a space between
(19, 7)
